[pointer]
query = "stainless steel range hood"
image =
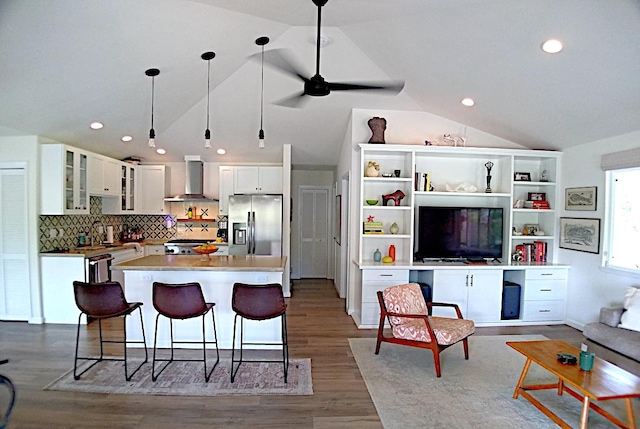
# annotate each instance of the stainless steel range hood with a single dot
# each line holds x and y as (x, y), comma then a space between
(193, 184)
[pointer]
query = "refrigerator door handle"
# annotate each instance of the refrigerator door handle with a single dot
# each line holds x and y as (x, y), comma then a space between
(253, 233)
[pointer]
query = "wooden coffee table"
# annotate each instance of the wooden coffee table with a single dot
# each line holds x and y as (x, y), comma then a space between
(605, 382)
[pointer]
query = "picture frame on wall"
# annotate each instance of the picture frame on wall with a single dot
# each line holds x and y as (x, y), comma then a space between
(584, 198)
(581, 234)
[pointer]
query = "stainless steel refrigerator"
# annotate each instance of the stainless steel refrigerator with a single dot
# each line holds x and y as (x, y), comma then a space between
(255, 225)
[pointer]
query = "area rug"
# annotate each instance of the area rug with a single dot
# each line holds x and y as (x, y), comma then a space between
(187, 379)
(474, 394)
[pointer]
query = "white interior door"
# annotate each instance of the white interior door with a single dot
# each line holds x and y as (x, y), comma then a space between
(15, 290)
(314, 232)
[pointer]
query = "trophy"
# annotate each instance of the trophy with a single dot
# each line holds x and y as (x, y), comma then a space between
(489, 166)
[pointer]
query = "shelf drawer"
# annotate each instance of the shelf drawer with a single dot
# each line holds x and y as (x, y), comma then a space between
(535, 311)
(390, 276)
(546, 274)
(545, 290)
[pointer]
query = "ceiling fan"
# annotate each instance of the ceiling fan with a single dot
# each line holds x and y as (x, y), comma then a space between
(317, 86)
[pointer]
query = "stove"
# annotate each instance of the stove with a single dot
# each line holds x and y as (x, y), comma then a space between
(182, 246)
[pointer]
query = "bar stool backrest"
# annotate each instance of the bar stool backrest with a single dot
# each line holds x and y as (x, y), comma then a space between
(179, 300)
(100, 300)
(258, 302)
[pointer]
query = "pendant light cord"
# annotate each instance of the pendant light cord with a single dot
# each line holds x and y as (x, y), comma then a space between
(153, 91)
(208, 83)
(262, 88)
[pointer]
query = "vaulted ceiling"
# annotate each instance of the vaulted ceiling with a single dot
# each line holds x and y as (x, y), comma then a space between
(66, 63)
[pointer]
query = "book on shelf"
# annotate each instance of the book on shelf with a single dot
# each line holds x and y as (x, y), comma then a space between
(422, 181)
(540, 205)
(533, 252)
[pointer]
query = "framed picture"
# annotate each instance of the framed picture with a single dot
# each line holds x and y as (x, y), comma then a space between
(537, 196)
(580, 198)
(522, 177)
(580, 234)
(530, 229)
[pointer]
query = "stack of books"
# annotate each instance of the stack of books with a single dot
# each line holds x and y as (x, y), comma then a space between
(422, 182)
(372, 228)
(533, 252)
(537, 205)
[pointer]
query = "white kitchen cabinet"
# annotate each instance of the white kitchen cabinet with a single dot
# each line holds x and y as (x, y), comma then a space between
(104, 176)
(125, 203)
(477, 293)
(225, 183)
(153, 249)
(374, 280)
(63, 178)
(257, 180)
(151, 189)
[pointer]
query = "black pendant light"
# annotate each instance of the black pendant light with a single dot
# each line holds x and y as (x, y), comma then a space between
(261, 41)
(208, 56)
(152, 133)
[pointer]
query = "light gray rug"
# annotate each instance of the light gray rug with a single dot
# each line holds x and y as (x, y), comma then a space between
(187, 379)
(474, 394)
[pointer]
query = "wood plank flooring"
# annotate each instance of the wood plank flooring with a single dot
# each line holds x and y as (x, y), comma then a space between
(318, 328)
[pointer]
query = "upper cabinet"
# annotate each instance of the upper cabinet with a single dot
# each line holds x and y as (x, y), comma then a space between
(151, 189)
(125, 203)
(63, 180)
(257, 180)
(226, 188)
(104, 176)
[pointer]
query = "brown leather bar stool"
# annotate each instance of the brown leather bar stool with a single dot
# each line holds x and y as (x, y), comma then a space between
(258, 302)
(182, 301)
(100, 301)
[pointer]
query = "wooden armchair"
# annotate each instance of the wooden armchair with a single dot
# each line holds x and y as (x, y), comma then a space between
(406, 310)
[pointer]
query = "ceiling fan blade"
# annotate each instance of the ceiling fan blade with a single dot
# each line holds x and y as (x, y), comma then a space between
(295, 100)
(394, 87)
(281, 60)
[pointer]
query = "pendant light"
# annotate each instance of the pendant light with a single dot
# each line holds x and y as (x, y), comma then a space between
(208, 56)
(152, 133)
(261, 41)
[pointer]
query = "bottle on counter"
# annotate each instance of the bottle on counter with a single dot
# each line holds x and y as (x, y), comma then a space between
(190, 213)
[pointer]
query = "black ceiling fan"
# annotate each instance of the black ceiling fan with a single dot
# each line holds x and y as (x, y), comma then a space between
(317, 86)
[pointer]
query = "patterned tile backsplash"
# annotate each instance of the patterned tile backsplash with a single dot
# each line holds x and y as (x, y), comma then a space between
(64, 231)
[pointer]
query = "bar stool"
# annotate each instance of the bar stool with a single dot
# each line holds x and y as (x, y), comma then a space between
(258, 302)
(182, 301)
(5, 411)
(100, 301)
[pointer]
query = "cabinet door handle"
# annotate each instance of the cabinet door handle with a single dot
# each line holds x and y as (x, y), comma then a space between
(546, 274)
(386, 275)
(545, 311)
(545, 290)
(466, 282)
(471, 280)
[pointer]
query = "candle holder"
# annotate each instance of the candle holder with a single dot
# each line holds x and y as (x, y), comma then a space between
(489, 166)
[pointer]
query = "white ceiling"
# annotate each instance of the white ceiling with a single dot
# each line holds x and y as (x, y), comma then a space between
(66, 63)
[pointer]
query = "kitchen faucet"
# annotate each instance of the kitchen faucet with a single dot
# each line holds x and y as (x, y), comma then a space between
(97, 222)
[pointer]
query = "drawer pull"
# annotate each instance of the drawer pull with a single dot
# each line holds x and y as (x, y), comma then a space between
(545, 290)
(386, 275)
(545, 311)
(546, 274)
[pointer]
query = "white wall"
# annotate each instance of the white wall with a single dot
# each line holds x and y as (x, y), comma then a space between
(590, 286)
(308, 178)
(26, 149)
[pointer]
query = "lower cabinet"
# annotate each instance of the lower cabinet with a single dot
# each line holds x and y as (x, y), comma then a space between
(477, 293)
(374, 280)
(544, 294)
(154, 249)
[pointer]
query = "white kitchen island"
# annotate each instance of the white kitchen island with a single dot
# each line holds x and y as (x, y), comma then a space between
(216, 276)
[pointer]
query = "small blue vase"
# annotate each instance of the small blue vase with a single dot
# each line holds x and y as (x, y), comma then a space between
(377, 256)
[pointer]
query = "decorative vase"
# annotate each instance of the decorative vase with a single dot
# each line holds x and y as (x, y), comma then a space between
(392, 252)
(372, 171)
(377, 256)
(394, 229)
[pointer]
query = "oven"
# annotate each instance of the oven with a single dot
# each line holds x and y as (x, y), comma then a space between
(98, 268)
(182, 246)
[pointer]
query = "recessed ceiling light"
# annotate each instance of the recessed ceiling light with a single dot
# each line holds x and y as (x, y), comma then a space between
(552, 46)
(468, 102)
(126, 138)
(96, 125)
(221, 151)
(161, 151)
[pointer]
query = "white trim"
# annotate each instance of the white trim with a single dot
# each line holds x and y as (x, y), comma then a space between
(620, 160)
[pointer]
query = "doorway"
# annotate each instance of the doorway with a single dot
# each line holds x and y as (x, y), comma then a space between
(313, 212)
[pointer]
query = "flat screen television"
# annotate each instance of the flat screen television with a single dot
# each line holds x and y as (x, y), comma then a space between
(459, 232)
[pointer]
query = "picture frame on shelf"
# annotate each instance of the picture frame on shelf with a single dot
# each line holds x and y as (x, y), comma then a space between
(537, 196)
(584, 198)
(581, 234)
(520, 176)
(530, 229)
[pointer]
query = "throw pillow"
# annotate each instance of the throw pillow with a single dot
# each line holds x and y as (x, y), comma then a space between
(631, 317)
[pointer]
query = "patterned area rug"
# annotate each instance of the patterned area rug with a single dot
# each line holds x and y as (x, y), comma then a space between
(187, 379)
(473, 394)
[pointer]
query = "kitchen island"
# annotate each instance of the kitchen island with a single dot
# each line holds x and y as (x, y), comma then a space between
(216, 276)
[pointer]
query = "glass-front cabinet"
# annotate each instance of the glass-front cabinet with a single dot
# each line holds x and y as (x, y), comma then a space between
(128, 179)
(64, 180)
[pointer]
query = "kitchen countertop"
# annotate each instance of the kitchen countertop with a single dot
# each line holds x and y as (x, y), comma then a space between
(195, 263)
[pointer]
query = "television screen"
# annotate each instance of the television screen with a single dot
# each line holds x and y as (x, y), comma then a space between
(459, 232)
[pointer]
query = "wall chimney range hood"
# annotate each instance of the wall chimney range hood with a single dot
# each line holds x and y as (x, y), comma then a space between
(194, 182)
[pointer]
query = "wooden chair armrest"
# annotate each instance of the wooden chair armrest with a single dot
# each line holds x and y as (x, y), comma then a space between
(446, 304)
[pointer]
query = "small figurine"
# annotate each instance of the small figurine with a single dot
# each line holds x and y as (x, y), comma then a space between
(543, 176)
(397, 196)
(377, 125)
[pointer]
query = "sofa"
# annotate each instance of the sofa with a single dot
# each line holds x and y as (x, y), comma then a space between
(607, 332)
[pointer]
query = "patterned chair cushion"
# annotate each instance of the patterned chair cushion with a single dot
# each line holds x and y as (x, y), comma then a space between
(408, 299)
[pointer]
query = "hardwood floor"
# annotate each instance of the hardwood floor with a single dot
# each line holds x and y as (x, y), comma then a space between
(318, 328)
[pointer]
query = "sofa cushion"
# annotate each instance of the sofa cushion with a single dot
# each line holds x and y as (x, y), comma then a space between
(631, 317)
(621, 340)
(610, 316)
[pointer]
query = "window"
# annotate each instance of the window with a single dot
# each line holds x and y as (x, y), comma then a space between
(622, 220)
